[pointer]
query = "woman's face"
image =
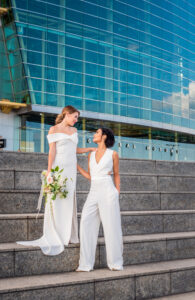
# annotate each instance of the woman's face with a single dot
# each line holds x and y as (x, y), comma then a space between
(72, 118)
(97, 137)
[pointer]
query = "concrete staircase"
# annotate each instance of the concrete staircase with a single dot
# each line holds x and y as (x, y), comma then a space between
(158, 218)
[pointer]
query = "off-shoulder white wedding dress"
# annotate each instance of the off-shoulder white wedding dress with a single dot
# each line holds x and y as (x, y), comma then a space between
(60, 227)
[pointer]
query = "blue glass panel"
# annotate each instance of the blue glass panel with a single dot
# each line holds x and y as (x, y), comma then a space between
(34, 57)
(176, 120)
(16, 72)
(50, 86)
(51, 60)
(91, 81)
(37, 6)
(36, 84)
(74, 101)
(74, 52)
(73, 40)
(184, 122)
(54, 11)
(92, 105)
(91, 56)
(51, 48)
(91, 69)
(133, 101)
(33, 71)
(156, 116)
(90, 33)
(91, 93)
(167, 118)
(20, 4)
(74, 65)
(38, 96)
(73, 77)
(51, 99)
(75, 90)
(73, 28)
(52, 73)
(74, 16)
(34, 32)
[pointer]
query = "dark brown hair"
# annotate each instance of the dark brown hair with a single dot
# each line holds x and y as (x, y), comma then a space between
(110, 140)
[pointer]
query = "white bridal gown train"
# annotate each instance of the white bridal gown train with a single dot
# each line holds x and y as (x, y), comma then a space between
(60, 226)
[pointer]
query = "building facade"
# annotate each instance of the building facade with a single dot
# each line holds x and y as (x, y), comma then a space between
(127, 65)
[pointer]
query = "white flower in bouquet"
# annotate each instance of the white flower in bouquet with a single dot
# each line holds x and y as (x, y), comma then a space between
(61, 181)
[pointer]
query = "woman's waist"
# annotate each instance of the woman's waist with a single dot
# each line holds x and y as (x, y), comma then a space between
(100, 176)
(63, 162)
(66, 153)
(101, 182)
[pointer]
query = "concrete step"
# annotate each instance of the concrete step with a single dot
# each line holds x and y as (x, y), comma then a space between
(144, 281)
(26, 180)
(15, 227)
(184, 296)
(18, 260)
(25, 201)
(38, 161)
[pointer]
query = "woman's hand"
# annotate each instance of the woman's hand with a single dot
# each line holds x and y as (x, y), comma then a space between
(116, 171)
(47, 173)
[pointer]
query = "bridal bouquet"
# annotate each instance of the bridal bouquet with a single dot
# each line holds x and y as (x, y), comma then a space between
(53, 185)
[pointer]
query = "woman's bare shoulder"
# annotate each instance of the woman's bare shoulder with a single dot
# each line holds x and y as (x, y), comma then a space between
(74, 129)
(57, 129)
(52, 129)
(115, 153)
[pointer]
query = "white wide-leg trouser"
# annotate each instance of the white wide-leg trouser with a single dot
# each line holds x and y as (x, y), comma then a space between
(102, 204)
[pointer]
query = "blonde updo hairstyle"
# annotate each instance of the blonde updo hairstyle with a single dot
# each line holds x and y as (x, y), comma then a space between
(67, 109)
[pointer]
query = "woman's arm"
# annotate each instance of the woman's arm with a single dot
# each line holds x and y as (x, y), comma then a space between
(83, 172)
(116, 170)
(85, 150)
(51, 156)
(52, 153)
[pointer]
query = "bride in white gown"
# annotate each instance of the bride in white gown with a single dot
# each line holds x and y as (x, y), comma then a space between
(60, 225)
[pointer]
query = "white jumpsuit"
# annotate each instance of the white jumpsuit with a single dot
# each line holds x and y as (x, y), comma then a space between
(102, 204)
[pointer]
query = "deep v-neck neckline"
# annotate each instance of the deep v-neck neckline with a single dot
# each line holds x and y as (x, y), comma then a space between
(97, 163)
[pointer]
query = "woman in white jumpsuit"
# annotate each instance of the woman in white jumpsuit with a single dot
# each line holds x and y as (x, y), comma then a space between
(102, 204)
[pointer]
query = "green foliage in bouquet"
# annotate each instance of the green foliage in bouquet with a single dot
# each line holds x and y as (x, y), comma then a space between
(54, 184)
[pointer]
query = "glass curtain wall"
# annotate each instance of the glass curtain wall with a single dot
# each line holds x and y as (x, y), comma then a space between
(124, 58)
(127, 58)
(6, 91)
(15, 88)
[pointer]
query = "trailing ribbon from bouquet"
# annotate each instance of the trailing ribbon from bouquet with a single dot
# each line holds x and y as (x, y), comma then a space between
(43, 179)
(39, 204)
